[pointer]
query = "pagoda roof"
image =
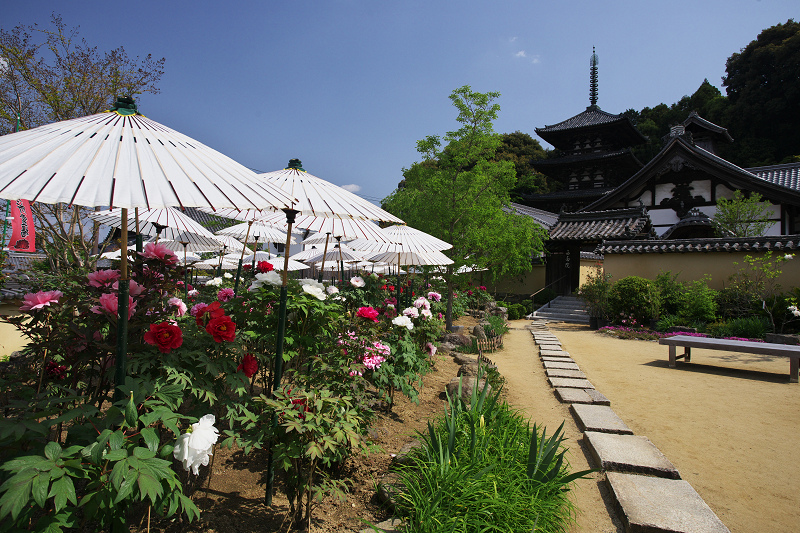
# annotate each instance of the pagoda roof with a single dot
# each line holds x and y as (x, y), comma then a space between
(582, 159)
(695, 122)
(602, 225)
(593, 118)
(680, 150)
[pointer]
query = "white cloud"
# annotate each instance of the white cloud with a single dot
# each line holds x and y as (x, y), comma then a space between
(352, 187)
(535, 59)
(511, 40)
(521, 53)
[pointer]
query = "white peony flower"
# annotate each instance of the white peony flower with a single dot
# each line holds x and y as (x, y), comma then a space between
(357, 281)
(215, 282)
(227, 275)
(194, 446)
(313, 283)
(426, 313)
(316, 292)
(788, 256)
(404, 321)
(794, 310)
(331, 289)
(270, 278)
(412, 312)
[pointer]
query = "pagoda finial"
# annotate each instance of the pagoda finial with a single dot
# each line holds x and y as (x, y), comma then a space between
(593, 79)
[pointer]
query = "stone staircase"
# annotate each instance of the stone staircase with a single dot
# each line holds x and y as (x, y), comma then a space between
(564, 309)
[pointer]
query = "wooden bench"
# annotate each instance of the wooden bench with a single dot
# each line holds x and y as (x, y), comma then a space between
(762, 348)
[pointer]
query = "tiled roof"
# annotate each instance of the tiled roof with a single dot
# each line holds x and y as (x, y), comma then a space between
(585, 157)
(786, 175)
(569, 194)
(22, 260)
(694, 217)
(694, 118)
(593, 116)
(782, 243)
(543, 218)
(602, 225)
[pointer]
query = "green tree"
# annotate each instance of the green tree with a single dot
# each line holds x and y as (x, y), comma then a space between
(741, 216)
(763, 86)
(458, 191)
(50, 74)
(522, 149)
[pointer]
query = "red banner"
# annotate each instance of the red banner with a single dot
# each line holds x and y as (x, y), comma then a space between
(23, 235)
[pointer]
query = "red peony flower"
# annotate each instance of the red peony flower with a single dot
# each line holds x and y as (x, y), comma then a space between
(249, 365)
(264, 266)
(221, 328)
(211, 311)
(369, 313)
(165, 336)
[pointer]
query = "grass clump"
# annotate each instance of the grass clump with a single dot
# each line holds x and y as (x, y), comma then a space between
(483, 468)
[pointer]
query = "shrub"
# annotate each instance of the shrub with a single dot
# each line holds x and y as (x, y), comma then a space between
(496, 326)
(669, 321)
(528, 305)
(752, 327)
(633, 297)
(516, 311)
(700, 305)
(671, 291)
(595, 293)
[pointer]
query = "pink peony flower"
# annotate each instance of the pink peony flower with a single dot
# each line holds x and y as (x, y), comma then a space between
(102, 278)
(134, 289)
(435, 296)
(225, 295)
(370, 313)
(109, 303)
(178, 303)
(40, 299)
(430, 348)
(422, 303)
(154, 250)
(412, 312)
(198, 309)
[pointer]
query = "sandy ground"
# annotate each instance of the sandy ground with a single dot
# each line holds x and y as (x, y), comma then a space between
(729, 422)
(10, 339)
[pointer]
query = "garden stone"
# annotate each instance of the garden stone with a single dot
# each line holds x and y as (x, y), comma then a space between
(458, 339)
(778, 338)
(446, 347)
(553, 353)
(548, 364)
(472, 369)
(479, 332)
(402, 457)
(388, 489)
(682, 329)
(549, 359)
(392, 525)
(563, 373)
(598, 397)
(463, 359)
(468, 383)
(567, 395)
(652, 504)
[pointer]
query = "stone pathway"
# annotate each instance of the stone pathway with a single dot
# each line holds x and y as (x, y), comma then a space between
(648, 491)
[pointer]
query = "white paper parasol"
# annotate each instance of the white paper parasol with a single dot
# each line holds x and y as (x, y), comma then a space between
(165, 223)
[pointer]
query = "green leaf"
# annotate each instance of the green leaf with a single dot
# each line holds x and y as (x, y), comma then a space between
(63, 490)
(116, 440)
(150, 438)
(143, 453)
(116, 455)
(39, 488)
(148, 486)
(126, 487)
(15, 498)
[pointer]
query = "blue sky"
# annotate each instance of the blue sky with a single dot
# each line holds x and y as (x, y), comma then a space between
(350, 86)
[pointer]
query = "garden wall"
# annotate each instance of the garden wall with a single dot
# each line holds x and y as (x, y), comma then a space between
(526, 284)
(692, 266)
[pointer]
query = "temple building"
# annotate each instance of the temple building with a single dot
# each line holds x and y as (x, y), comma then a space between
(611, 203)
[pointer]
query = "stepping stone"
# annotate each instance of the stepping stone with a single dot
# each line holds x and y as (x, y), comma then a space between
(563, 360)
(544, 336)
(629, 453)
(598, 418)
(562, 373)
(570, 383)
(553, 353)
(392, 525)
(566, 395)
(548, 363)
(652, 504)
(548, 346)
(598, 397)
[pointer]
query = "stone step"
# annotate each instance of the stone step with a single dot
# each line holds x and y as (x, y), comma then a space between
(553, 353)
(633, 454)
(564, 373)
(654, 504)
(560, 365)
(570, 383)
(599, 418)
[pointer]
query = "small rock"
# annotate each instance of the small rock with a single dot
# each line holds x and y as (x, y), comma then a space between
(458, 339)
(388, 489)
(402, 457)
(468, 383)
(462, 359)
(472, 369)
(479, 332)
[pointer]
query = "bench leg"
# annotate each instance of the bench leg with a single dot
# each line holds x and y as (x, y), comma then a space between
(794, 367)
(687, 354)
(672, 356)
